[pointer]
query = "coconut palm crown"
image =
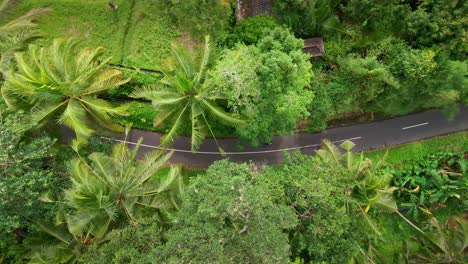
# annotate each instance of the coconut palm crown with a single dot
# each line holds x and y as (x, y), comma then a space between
(106, 191)
(59, 84)
(181, 96)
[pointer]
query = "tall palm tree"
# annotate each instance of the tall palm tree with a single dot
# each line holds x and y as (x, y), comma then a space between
(182, 96)
(107, 192)
(61, 83)
(371, 184)
(16, 34)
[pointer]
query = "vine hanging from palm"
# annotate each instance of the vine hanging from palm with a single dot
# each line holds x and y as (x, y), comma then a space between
(181, 96)
(60, 83)
(16, 34)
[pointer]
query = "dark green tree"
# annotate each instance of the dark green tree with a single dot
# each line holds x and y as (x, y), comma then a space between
(228, 217)
(319, 194)
(29, 167)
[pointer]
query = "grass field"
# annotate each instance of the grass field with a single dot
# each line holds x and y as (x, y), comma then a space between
(136, 34)
(417, 150)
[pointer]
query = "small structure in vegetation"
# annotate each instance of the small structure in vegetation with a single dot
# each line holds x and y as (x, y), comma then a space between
(248, 8)
(314, 46)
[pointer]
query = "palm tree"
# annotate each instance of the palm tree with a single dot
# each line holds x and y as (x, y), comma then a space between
(61, 83)
(182, 96)
(371, 184)
(15, 35)
(107, 192)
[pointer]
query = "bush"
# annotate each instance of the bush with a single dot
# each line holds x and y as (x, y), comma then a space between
(140, 115)
(251, 30)
(434, 182)
(30, 167)
(138, 78)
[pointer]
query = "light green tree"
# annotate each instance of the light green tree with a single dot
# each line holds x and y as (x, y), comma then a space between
(60, 84)
(181, 96)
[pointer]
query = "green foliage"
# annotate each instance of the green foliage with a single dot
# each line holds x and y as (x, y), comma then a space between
(376, 18)
(149, 30)
(326, 230)
(106, 192)
(140, 115)
(434, 182)
(427, 79)
(182, 97)
(309, 18)
(264, 84)
(137, 78)
(127, 245)
(418, 150)
(445, 243)
(201, 17)
(92, 21)
(60, 84)
(249, 31)
(439, 23)
(16, 34)
(28, 168)
(228, 217)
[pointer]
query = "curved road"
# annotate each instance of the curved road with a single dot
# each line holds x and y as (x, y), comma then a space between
(367, 136)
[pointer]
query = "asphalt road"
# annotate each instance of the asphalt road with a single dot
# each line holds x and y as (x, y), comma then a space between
(378, 134)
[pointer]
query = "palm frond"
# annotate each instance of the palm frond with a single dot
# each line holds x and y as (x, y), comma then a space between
(25, 21)
(74, 117)
(204, 60)
(220, 114)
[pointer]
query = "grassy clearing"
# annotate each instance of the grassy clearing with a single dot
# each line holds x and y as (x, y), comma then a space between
(93, 21)
(419, 149)
(137, 36)
(149, 35)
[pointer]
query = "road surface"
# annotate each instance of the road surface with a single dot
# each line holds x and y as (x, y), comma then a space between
(367, 136)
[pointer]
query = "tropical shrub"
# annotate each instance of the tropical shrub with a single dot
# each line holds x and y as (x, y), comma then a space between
(249, 31)
(376, 18)
(438, 23)
(228, 217)
(434, 182)
(60, 84)
(140, 115)
(29, 167)
(309, 18)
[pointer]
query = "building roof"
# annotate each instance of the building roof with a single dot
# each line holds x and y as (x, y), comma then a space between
(314, 46)
(248, 8)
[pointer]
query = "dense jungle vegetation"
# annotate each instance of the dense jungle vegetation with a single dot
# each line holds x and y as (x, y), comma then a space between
(192, 68)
